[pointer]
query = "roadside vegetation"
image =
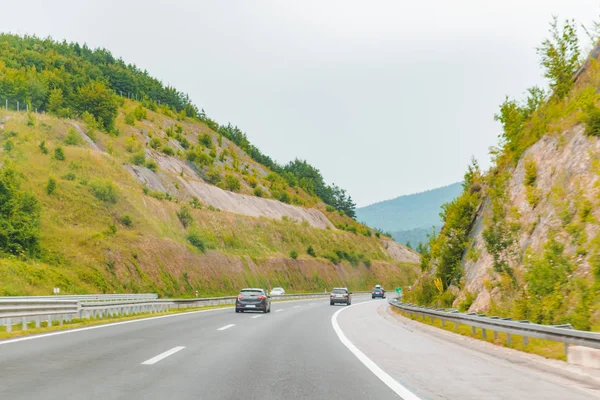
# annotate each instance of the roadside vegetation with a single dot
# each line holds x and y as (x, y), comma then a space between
(546, 286)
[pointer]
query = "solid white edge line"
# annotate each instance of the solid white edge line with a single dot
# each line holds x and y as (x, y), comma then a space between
(390, 382)
(225, 327)
(164, 355)
(257, 316)
(296, 306)
(281, 309)
(89, 328)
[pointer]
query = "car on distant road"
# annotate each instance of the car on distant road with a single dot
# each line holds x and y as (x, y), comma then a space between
(340, 295)
(253, 299)
(378, 292)
(278, 291)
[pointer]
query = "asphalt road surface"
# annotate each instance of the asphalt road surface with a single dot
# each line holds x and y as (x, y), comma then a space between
(301, 350)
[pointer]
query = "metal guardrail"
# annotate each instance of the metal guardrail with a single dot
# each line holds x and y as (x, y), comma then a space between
(28, 310)
(86, 297)
(558, 333)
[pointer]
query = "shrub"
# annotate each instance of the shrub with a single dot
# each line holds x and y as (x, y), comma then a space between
(293, 254)
(213, 176)
(185, 216)
(195, 203)
(59, 154)
(258, 192)
(206, 140)
(69, 176)
(138, 158)
(196, 240)
(310, 251)
(155, 143)
(232, 183)
(131, 144)
(530, 172)
(168, 151)
(151, 165)
(126, 221)
(73, 138)
(140, 113)
(9, 146)
(30, 119)
(104, 190)
(51, 186)
(592, 121)
(329, 208)
(43, 147)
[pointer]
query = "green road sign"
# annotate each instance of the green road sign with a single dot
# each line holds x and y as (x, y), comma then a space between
(398, 290)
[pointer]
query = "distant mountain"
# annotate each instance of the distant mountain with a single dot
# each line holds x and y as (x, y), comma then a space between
(410, 217)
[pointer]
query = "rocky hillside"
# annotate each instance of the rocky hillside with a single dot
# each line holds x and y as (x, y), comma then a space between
(157, 200)
(523, 239)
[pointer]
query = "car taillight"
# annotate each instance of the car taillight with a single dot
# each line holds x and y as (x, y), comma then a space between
(372, 292)
(261, 297)
(346, 295)
(240, 297)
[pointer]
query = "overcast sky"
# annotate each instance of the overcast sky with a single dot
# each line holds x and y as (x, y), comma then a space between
(385, 97)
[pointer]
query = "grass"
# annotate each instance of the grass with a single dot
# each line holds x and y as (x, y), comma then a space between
(541, 347)
(87, 248)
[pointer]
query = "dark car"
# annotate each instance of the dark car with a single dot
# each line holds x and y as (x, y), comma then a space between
(378, 292)
(340, 295)
(253, 300)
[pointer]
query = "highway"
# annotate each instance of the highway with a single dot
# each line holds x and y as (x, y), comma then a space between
(301, 350)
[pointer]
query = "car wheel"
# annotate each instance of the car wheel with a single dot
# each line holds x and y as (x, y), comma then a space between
(331, 303)
(237, 311)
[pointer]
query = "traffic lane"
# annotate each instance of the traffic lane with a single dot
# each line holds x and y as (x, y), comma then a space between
(434, 368)
(58, 366)
(293, 354)
(107, 363)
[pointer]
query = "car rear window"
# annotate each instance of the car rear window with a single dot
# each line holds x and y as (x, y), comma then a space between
(340, 291)
(252, 292)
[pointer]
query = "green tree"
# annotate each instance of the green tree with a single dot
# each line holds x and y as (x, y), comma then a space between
(560, 56)
(97, 99)
(19, 217)
(55, 101)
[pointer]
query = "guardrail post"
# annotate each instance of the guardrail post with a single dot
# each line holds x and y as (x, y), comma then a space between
(567, 351)
(443, 323)
(456, 325)
(60, 319)
(24, 323)
(525, 341)
(483, 333)
(495, 335)
(37, 322)
(474, 330)
(508, 339)
(49, 320)
(8, 325)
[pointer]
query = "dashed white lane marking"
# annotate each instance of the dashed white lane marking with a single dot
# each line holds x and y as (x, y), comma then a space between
(296, 306)
(281, 309)
(256, 316)
(225, 327)
(390, 382)
(164, 355)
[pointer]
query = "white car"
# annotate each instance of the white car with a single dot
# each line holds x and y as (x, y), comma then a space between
(277, 291)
